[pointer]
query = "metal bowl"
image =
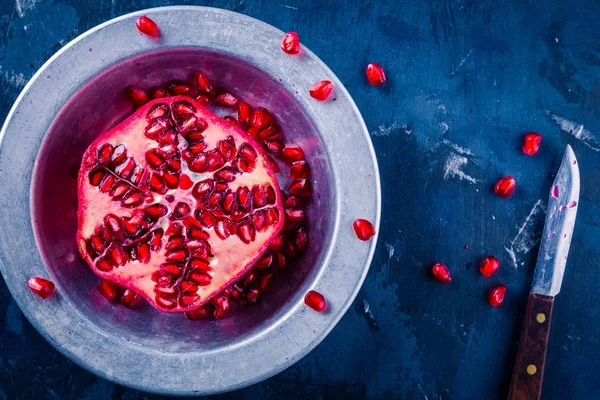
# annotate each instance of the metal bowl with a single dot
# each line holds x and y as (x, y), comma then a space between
(75, 96)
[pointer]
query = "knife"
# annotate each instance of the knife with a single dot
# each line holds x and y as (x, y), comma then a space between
(528, 372)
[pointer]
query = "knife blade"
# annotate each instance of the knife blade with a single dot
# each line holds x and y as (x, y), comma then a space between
(558, 228)
(528, 373)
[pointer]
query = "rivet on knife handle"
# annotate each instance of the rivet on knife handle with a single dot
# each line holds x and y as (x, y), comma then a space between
(528, 373)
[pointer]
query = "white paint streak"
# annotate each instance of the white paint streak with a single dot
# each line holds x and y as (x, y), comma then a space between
(444, 127)
(457, 148)
(461, 63)
(526, 238)
(390, 250)
(576, 130)
(453, 168)
(21, 5)
(386, 130)
(15, 80)
(290, 7)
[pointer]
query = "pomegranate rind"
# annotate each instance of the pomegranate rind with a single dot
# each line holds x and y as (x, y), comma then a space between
(234, 257)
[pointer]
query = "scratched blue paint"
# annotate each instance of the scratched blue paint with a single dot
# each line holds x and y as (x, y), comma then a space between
(466, 80)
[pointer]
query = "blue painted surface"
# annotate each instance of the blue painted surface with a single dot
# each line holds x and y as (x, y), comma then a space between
(466, 80)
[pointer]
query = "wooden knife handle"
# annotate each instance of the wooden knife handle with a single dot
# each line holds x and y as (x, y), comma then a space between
(526, 383)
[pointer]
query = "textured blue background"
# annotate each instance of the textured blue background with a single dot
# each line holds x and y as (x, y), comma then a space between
(466, 80)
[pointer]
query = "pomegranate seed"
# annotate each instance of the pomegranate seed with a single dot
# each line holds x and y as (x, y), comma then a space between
(489, 265)
(364, 229)
(244, 112)
(136, 96)
(147, 26)
(274, 146)
(203, 99)
(505, 187)
(202, 83)
(261, 117)
(292, 153)
(301, 187)
(315, 300)
(441, 273)
(531, 143)
(203, 312)
(185, 182)
(497, 295)
(42, 287)
(375, 74)
(226, 99)
(291, 43)
(108, 289)
(321, 90)
(301, 239)
(299, 170)
(158, 93)
(178, 89)
(131, 299)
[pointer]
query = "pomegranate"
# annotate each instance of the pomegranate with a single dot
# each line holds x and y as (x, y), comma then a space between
(147, 26)
(441, 273)
(176, 204)
(291, 43)
(531, 143)
(375, 74)
(42, 287)
(364, 229)
(497, 295)
(321, 90)
(489, 265)
(505, 187)
(315, 300)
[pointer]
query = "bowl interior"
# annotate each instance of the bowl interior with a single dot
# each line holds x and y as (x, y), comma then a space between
(98, 106)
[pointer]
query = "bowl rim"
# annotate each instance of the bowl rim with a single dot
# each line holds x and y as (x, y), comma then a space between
(281, 335)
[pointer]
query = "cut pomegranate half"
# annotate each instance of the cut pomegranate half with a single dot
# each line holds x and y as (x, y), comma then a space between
(166, 204)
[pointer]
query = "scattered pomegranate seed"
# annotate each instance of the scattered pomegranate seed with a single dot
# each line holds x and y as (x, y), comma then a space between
(291, 43)
(364, 229)
(505, 187)
(202, 83)
(147, 26)
(158, 93)
(42, 287)
(441, 273)
(497, 295)
(531, 143)
(108, 289)
(315, 300)
(321, 90)
(375, 74)
(131, 299)
(489, 265)
(136, 96)
(292, 153)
